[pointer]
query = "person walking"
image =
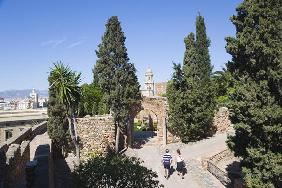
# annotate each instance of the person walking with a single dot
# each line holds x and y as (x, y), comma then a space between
(167, 160)
(180, 164)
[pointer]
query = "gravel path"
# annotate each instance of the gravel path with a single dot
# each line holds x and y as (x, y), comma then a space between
(196, 177)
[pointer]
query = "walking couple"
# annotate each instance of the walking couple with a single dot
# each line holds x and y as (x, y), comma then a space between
(167, 161)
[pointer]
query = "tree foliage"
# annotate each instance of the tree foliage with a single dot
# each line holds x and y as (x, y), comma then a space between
(223, 87)
(64, 84)
(91, 102)
(190, 95)
(57, 125)
(117, 171)
(202, 46)
(116, 76)
(257, 100)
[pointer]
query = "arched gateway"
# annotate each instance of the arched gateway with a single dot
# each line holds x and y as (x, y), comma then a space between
(158, 107)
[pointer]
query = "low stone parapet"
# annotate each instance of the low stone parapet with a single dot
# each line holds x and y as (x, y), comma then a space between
(226, 177)
(14, 154)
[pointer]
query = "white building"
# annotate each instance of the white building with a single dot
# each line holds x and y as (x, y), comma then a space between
(4, 105)
(34, 98)
(42, 103)
(149, 89)
(24, 104)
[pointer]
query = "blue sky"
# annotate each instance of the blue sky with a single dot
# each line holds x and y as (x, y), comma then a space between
(35, 34)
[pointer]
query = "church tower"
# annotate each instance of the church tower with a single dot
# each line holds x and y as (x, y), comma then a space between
(149, 82)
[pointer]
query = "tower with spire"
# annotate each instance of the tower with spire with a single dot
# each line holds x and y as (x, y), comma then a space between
(149, 90)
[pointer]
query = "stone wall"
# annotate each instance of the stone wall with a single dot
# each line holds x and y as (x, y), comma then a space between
(221, 120)
(15, 127)
(159, 106)
(210, 164)
(14, 154)
(226, 176)
(160, 88)
(16, 158)
(96, 134)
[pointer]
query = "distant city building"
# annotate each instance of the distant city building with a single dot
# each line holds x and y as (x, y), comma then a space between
(149, 89)
(31, 102)
(4, 105)
(42, 102)
(14, 104)
(24, 104)
(34, 99)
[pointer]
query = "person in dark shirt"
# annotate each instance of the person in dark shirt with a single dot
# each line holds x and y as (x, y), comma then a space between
(167, 160)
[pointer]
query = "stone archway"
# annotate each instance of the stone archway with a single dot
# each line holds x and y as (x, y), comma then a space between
(158, 106)
(147, 117)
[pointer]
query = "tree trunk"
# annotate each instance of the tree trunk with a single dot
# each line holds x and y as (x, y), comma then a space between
(77, 151)
(130, 132)
(117, 139)
(74, 141)
(75, 130)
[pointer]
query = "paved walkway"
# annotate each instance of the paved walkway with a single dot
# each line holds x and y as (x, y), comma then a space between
(196, 177)
(40, 148)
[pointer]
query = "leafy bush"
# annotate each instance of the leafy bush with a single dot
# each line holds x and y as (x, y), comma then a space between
(113, 170)
(137, 126)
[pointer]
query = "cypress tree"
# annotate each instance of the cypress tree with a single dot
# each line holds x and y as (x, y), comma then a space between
(191, 101)
(257, 101)
(190, 62)
(116, 76)
(202, 46)
(57, 125)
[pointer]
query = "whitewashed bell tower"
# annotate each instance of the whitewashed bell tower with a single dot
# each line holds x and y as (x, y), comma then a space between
(149, 84)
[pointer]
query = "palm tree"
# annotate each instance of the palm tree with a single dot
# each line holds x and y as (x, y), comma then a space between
(65, 82)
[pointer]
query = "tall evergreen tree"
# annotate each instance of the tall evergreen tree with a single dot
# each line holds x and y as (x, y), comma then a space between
(57, 125)
(191, 101)
(257, 101)
(202, 46)
(116, 76)
(190, 62)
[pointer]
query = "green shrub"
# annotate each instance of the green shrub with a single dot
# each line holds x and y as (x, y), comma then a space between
(114, 170)
(137, 126)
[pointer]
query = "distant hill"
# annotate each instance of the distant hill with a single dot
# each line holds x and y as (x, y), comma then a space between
(15, 94)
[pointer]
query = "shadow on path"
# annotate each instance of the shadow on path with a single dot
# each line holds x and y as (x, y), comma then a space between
(63, 176)
(143, 137)
(41, 155)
